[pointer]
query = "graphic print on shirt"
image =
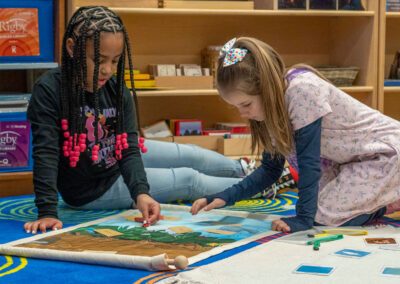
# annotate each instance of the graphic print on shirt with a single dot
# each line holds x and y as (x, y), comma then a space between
(105, 132)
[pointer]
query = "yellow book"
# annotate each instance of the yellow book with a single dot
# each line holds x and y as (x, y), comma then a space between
(137, 77)
(142, 84)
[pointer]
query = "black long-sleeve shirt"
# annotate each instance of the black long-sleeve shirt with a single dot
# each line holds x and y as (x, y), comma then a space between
(88, 180)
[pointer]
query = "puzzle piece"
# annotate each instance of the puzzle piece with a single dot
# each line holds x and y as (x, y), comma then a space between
(221, 232)
(181, 229)
(108, 232)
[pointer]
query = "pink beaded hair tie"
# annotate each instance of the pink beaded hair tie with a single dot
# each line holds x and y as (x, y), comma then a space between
(72, 146)
(143, 149)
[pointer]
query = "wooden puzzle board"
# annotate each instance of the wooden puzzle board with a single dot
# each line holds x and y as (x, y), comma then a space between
(120, 241)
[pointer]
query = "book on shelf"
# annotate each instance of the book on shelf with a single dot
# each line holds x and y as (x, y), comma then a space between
(185, 127)
(157, 130)
(184, 4)
(391, 83)
(137, 76)
(215, 132)
(139, 84)
(233, 127)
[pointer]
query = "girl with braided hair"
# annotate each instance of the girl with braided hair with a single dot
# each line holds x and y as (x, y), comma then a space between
(83, 125)
(101, 167)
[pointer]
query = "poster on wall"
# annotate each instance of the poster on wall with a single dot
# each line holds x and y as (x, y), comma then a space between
(19, 32)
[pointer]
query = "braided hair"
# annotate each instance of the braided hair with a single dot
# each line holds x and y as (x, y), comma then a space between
(87, 23)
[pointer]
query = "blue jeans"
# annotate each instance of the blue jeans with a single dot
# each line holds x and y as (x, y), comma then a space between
(175, 171)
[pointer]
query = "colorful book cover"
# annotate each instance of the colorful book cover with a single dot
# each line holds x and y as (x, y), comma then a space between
(14, 143)
(19, 32)
(188, 127)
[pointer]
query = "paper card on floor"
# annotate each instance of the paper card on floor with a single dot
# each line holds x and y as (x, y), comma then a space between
(390, 247)
(352, 253)
(170, 218)
(390, 271)
(133, 217)
(221, 232)
(380, 241)
(314, 269)
(108, 232)
(181, 229)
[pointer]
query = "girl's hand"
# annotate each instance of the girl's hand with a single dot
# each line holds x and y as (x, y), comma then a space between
(149, 207)
(279, 225)
(202, 203)
(42, 225)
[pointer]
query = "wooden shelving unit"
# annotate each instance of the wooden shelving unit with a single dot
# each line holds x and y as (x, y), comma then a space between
(389, 43)
(16, 183)
(173, 36)
(18, 78)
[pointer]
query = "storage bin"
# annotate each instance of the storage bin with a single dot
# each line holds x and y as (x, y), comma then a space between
(340, 76)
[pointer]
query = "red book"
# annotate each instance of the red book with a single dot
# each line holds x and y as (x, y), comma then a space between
(233, 127)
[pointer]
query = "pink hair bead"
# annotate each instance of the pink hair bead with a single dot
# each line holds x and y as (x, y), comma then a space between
(140, 145)
(65, 148)
(118, 152)
(124, 135)
(95, 158)
(144, 149)
(82, 147)
(72, 164)
(118, 137)
(141, 140)
(96, 147)
(66, 154)
(126, 146)
(66, 134)
(124, 140)
(64, 127)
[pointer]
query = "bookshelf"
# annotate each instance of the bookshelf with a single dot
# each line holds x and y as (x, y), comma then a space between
(389, 43)
(173, 36)
(18, 78)
(315, 37)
